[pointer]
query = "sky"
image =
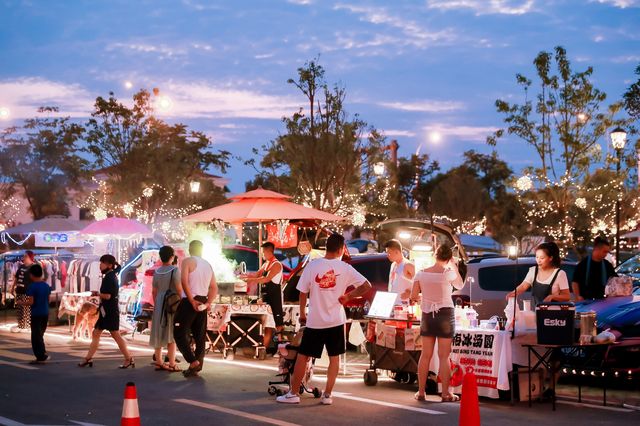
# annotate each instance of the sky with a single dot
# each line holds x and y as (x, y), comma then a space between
(426, 73)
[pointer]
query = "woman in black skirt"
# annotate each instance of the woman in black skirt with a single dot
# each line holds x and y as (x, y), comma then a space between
(438, 321)
(109, 315)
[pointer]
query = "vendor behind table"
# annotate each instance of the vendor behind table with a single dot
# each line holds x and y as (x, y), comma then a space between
(401, 273)
(269, 277)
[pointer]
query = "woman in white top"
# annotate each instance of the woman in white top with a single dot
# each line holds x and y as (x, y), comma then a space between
(547, 281)
(401, 273)
(438, 320)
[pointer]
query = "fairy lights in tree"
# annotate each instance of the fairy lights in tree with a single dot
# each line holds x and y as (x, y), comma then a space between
(150, 207)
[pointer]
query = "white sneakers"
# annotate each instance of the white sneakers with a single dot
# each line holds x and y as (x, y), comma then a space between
(289, 398)
(326, 399)
(292, 398)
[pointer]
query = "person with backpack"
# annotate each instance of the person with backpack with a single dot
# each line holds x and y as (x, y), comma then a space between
(166, 281)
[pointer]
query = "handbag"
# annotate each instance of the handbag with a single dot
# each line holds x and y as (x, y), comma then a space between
(304, 246)
(171, 299)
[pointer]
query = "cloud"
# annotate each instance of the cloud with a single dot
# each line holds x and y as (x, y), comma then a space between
(424, 106)
(398, 133)
(462, 133)
(23, 97)
(622, 4)
(301, 2)
(625, 59)
(192, 99)
(162, 51)
(412, 33)
(486, 7)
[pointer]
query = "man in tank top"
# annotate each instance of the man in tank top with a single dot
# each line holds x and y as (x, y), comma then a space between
(198, 288)
(269, 278)
(401, 273)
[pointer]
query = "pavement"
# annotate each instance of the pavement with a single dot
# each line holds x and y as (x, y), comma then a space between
(230, 392)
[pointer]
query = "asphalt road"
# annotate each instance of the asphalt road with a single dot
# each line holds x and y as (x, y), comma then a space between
(227, 392)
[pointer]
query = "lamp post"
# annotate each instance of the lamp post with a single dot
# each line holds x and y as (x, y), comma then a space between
(513, 252)
(618, 141)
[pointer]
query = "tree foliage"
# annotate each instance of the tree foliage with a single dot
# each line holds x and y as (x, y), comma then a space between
(40, 160)
(325, 158)
(563, 118)
(136, 150)
(632, 97)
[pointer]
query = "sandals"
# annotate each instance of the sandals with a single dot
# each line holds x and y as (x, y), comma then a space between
(170, 368)
(419, 397)
(450, 398)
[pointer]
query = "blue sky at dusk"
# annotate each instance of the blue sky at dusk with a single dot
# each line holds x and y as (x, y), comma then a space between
(411, 69)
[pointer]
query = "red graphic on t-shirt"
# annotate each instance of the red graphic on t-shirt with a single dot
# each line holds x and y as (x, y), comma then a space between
(328, 280)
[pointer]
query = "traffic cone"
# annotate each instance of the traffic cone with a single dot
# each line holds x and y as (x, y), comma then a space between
(469, 405)
(130, 412)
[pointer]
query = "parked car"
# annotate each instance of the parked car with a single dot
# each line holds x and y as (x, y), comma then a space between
(363, 245)
(490, 279)
(631, 268)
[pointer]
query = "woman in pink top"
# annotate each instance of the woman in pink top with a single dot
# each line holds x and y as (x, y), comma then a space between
(438, 320)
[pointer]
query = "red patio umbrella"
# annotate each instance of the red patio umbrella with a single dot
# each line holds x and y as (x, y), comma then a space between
(261, 205)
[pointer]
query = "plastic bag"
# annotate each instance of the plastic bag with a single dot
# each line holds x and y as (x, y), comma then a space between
(619, 286)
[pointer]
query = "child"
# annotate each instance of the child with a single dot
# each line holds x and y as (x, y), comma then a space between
(38, 298)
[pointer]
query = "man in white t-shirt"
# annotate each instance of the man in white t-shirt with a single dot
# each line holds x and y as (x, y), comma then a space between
(325, 281)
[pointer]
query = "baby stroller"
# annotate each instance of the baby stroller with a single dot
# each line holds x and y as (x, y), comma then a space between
(288, 355)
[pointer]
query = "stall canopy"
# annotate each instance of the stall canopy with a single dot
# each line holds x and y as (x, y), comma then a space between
(261, 205)
(117, 228)
(48, 224)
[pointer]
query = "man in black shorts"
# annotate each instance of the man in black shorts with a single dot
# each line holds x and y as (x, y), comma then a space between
(325, 282)
(269, 278)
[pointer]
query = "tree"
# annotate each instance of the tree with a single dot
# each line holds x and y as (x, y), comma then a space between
(40, 158)
(632, 98)
(138, 151)
(564, 124)
(324, 159)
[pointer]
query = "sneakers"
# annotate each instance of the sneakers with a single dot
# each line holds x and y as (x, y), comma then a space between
(326, 399)
(289, 398)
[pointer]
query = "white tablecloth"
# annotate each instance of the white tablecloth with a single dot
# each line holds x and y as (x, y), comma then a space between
(486, 353)
(220, 315)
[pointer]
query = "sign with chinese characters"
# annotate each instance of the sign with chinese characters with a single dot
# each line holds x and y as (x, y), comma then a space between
(58, 239)
(486, 353)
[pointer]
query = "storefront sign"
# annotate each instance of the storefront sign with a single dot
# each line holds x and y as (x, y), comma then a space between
(58, 239)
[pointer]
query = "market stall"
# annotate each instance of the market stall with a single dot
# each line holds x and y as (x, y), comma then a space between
(241, 325)
(264, 208)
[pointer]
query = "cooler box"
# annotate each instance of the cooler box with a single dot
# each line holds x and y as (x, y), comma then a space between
(555, 323)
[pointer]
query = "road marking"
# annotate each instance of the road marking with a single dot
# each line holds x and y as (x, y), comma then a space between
(599, 407)
(15, 364)
(84, 423)
(15, 355)
(385, 404)
(235, 412)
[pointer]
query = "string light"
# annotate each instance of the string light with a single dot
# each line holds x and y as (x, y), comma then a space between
(163, 219)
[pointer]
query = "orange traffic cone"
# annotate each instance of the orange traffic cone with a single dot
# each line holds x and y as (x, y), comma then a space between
(469, 405)
(130, 412)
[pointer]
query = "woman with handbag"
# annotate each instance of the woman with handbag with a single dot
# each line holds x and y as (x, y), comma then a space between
(166, 279)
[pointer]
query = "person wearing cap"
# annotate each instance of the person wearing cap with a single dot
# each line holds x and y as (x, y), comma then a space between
(21, 284)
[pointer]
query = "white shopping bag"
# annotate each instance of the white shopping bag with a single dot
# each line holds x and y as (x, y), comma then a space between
(356, 336)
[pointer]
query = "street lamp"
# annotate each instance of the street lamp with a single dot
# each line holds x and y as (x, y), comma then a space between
(4, 113)
(378, 168)
(618, 141)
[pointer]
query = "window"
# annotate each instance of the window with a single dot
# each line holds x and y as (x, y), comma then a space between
(375, 271)
(504, 277)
